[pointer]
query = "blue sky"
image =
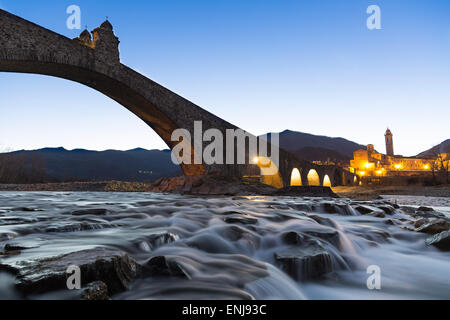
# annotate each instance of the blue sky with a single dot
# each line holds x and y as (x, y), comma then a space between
(310, 66)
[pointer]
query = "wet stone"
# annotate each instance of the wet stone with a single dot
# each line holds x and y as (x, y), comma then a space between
(114, 268)
(15, 247)
(94, 212)
(76, 227)
(326, 234)
(387, 209)
(7, 236)
(330, 207)
(243, 219)
(155, 241)
(377, 214)
(97, 290)
(292, 238)
(390, 222)
(160, 266)
(425, 209)
(322, 220)
(364, 209)
(304, 263)
(440, 240)
(435, 226)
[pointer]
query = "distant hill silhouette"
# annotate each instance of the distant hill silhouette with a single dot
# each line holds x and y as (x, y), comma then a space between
(139, 165)
(311, 147)
(443, 147)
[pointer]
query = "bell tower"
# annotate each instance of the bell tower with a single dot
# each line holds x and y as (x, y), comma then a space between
(389, 143)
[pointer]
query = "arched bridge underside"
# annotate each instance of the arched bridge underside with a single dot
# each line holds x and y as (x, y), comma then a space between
(28, 48)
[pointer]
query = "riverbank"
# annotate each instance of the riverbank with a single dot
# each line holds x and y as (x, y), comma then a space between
(197, 185)
(101, 186)
(373, 192)
(222, 186)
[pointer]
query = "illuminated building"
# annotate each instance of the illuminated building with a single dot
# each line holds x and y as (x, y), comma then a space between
(370, 163)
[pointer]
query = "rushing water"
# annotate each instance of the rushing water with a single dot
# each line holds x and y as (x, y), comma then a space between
(228, 245)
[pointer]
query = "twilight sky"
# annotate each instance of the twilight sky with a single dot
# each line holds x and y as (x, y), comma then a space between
(310, 66)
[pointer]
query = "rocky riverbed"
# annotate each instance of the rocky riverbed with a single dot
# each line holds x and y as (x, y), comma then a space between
(167, 246)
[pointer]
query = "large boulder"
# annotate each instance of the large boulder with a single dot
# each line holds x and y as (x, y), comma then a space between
(115, 268)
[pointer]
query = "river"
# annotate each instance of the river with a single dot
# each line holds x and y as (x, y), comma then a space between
(229, 245)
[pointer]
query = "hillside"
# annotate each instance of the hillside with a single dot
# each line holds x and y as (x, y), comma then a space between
(59, 164)
(443, 147)
(309, 146)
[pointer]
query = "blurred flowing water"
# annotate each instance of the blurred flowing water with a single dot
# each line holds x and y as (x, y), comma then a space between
(228, 245)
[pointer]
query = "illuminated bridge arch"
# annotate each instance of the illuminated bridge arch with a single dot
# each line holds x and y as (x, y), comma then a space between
(296, 178)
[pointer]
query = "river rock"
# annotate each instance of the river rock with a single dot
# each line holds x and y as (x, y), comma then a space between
(4, 236)
(114, 268)
(304, 263)
(327, 234)
(77, 227)
(369, 210)
(426, 212)
(388, 209)
(15, 247)
(242, 219)
(159, 266)
(440, 240)
(292, 237)
(434, 226)
(330, 207)
(97, 290)
(93, 212)
(322, 220)
(156, 240)
(425, 209)
(420, 222)
(377, 214)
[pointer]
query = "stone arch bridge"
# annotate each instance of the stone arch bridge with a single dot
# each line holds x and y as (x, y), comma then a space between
(93, 60)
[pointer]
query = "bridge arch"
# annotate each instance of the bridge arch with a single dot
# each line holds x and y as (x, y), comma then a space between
(296, 177)
(28, 48)
(313, 178)
(270, 173)
(326, 181)
(95, 62)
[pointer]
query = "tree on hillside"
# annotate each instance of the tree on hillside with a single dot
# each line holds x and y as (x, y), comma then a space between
(17, 168)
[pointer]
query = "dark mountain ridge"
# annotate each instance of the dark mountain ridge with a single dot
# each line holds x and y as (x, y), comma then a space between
(312, 147)
(59, 164)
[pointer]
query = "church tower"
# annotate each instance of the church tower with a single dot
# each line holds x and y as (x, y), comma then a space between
(389, 143)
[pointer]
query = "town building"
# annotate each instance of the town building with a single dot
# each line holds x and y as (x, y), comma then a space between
(370, 163)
